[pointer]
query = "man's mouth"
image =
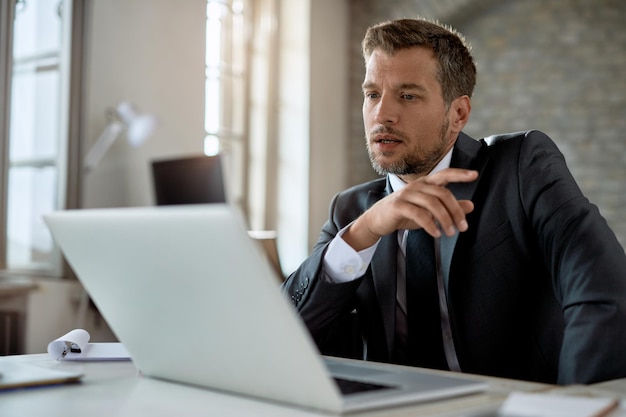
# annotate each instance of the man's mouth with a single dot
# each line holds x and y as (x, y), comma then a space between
(385, 140)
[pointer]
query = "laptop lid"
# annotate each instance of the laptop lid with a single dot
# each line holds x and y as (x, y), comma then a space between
(188, 180)
(194, 300)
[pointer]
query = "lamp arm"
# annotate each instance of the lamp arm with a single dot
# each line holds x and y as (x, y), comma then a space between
(102, 145)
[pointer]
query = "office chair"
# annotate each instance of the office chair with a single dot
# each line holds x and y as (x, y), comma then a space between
(268, 240)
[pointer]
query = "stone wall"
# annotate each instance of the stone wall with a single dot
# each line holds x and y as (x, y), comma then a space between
(557, 66)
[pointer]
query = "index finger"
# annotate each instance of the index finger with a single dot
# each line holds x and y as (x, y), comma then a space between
(448, 175)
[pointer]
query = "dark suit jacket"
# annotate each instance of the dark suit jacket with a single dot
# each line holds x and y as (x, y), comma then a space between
(536, 288)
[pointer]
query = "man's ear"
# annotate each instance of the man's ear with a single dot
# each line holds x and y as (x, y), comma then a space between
(460, 110)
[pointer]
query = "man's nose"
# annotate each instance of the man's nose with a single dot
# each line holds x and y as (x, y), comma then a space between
(386, 110)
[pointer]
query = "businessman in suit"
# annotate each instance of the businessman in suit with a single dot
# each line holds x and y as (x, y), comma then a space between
(475, 256)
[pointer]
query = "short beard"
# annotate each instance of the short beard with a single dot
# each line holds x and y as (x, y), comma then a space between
(416, 163)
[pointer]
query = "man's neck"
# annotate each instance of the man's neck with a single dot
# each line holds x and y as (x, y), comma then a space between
(398, 182)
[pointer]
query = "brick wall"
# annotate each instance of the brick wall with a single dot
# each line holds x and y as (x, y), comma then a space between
(557, 66)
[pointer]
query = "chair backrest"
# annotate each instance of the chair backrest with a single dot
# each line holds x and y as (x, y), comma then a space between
(268, 240)
(188, 180)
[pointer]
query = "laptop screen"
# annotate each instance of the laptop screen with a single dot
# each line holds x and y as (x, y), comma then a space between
(188, 180)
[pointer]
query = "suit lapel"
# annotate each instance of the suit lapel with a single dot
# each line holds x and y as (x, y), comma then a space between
(467, 154)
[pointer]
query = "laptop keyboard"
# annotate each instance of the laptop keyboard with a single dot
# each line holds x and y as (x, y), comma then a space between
(347, 386)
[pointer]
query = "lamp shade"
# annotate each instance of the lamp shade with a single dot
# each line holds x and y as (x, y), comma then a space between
(140, 126)
(125, 117)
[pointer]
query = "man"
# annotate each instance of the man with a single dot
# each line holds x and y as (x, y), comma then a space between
(522, 277)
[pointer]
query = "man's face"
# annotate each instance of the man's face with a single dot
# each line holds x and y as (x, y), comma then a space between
(407, 122)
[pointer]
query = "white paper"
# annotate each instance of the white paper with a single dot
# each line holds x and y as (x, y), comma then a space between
(75, 346)
(554, 405)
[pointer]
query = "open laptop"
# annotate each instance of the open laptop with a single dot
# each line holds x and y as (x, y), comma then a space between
(188, 180)
(194, 300)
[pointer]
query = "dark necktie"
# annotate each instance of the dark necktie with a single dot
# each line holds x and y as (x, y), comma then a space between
(423, 314)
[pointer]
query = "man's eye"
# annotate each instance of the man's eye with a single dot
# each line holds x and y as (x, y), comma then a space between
(409, 97)
(371, 95)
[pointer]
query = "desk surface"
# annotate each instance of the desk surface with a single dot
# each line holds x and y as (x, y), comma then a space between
(117, 389)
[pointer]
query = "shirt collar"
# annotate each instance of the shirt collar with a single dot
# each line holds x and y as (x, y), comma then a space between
(397, 184)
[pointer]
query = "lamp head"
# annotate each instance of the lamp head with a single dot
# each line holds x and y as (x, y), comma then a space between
(139, 126)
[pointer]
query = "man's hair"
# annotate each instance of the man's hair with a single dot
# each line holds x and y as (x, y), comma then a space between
(457, 70)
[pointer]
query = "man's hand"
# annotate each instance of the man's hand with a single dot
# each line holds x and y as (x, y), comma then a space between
(424, 203)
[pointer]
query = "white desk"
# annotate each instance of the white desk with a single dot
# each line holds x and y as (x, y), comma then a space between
(114, 389)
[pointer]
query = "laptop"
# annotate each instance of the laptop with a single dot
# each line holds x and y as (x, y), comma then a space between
(188, 180)
(194, 300)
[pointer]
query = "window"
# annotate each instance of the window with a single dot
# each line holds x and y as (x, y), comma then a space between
(225, 90)
(37, 120)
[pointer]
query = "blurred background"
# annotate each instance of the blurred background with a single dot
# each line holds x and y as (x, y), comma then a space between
(556, 66)
(273, 88)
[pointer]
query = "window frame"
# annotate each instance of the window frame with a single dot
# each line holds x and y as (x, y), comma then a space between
(7, 15)
(69, 178)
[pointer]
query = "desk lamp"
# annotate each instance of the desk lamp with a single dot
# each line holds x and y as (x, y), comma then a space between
(125, 117)
(138, 127)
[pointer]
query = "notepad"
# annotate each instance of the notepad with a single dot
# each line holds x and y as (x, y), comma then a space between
(75, 346)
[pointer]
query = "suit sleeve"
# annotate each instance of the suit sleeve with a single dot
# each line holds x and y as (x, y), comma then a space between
(321, 303)
(587, 263)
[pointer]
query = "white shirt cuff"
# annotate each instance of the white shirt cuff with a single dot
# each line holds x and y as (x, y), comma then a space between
(342, 263)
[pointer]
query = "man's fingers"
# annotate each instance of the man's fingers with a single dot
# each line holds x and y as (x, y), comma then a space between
(453, 220)
(467, 206)
(449, 175)
(425, 203)
(443, 211)
(445, 222)
(448, 213)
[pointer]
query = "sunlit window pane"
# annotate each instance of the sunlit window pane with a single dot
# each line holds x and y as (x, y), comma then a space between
(211, 145)
(237, 7)
(225, 95)
(34, 136)
(31, 194)
(239, 35)
(37, 29)
(213, 34)
(34, 115)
